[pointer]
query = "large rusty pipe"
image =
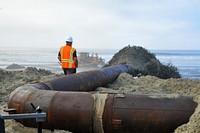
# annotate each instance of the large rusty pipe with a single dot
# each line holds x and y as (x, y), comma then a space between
(146, 113)
(88, 80)
(84, 112)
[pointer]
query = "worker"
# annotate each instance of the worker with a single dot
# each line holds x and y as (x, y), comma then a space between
(68, 57)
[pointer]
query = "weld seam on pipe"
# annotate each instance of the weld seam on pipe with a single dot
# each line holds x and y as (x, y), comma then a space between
(99, 105)
(49, 110)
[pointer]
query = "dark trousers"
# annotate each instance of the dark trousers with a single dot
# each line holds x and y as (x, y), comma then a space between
(68, 71)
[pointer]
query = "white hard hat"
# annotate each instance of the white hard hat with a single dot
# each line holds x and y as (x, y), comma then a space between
(69, 39)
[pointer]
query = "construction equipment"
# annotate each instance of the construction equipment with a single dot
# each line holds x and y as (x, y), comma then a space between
(87, 60)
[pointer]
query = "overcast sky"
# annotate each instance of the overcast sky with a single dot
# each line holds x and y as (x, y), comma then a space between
(152, 24)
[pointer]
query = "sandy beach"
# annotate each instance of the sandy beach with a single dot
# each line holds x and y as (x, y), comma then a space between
(125, 83)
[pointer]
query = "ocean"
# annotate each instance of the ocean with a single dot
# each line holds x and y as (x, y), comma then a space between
(187, 61)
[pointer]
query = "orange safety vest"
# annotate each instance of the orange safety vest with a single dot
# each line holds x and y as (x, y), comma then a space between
(67, 59)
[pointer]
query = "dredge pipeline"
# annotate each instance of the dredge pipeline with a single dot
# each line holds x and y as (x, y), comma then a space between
(89, 112)
(88, 80)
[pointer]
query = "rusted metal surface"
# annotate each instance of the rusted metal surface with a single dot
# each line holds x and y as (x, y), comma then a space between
(146, 113)
(122, 113)
(65, 110)
(88, 80)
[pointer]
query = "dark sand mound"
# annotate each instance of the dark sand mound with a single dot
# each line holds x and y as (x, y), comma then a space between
(144, 61)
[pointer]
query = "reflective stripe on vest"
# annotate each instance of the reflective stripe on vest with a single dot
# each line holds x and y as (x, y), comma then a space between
(67, 57)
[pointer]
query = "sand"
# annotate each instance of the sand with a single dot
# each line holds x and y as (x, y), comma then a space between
(125, 83)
